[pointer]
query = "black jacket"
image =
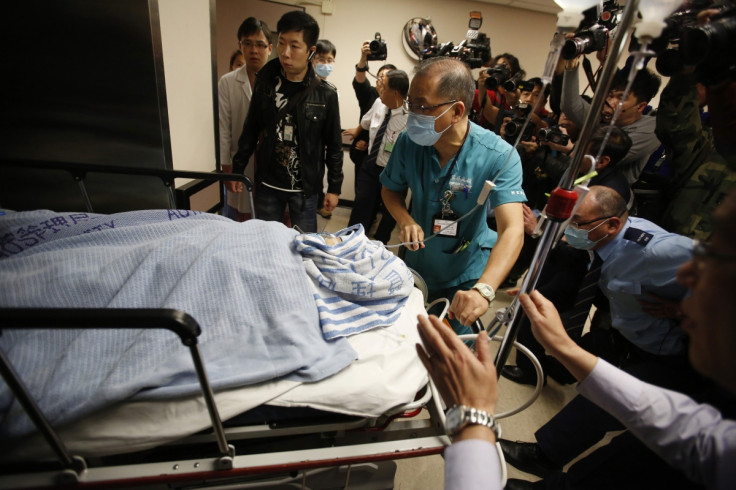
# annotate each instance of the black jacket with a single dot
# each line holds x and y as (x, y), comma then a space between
(318, 120)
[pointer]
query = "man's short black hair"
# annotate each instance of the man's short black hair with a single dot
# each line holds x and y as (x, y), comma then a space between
(645, 86)
(325, 47)
(387, 66)
(251, 26)
(617, 146)
(398, 80)
(299, 21)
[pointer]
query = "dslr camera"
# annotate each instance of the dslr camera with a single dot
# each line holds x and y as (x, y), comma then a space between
(379, 52)
(553, 135)
(474, 50)
(594, 37)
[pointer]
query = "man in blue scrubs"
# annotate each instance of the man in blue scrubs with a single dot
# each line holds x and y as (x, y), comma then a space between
(444, 159)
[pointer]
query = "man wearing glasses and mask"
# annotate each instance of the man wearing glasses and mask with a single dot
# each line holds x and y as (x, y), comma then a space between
(445, 160)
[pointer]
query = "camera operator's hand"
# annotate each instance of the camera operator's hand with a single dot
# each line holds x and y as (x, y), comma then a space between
(502, 131)
(705, 16)
(411, 232)
(365, 49)
(528, 146)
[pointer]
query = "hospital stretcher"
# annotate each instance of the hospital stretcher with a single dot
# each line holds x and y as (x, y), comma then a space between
(288, 448)
(196, 449)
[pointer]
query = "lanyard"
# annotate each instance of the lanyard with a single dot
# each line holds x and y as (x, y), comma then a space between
(452, 166)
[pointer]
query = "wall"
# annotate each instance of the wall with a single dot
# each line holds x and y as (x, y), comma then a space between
(187, 54)
(523, 33)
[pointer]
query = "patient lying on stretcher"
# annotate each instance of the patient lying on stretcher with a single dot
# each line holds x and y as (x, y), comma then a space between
(272, 304)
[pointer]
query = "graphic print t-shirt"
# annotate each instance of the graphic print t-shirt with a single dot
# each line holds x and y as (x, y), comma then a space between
(285, 173)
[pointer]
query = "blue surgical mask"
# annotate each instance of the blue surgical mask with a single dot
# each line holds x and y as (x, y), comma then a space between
(323, 69)
(578, 237)
(420, 128)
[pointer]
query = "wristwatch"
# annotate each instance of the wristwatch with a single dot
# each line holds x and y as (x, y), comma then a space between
(361, 68)
(460, 416)
(486, 291)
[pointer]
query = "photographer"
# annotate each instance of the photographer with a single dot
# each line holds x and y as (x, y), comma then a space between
(366, 95)
(488, 101)
(631, 119)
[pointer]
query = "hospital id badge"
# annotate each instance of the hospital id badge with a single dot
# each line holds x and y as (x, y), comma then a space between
(288, 133)
(448, 223)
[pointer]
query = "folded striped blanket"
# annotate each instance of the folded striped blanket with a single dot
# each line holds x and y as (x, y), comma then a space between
(358, 283)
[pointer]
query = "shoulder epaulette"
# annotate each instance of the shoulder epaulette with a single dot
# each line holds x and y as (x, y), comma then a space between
(638, 236)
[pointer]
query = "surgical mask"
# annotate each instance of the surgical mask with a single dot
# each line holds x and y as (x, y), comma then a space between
(578, 237)
(420, 128)
(323, 69)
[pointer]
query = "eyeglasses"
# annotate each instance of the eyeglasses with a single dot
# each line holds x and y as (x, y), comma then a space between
(249, 44)
(583, 223)
(328, 61)
(703, 250)
(422, 108)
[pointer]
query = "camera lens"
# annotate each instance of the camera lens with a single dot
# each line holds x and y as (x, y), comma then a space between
(512, 128)
(574, 47)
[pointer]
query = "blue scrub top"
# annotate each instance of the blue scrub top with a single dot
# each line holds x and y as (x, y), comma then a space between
(481, 158)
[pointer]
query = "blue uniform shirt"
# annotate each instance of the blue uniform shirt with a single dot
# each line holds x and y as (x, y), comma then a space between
(631, 269)
(417, 167)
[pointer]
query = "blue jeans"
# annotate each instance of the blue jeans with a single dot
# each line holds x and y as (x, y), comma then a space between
(302, 209)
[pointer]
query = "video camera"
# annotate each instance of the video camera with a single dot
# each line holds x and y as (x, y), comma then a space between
(594, 37)
(519, 113)
(709, 47)
(379, 52)
(474, 50)
(553, 135)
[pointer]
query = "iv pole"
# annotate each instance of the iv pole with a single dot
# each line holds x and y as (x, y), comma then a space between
(562, 199)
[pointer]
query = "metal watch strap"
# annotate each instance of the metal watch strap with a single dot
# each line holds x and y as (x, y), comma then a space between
(474, 416)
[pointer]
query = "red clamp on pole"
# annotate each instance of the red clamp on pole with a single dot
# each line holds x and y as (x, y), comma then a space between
(561, 203)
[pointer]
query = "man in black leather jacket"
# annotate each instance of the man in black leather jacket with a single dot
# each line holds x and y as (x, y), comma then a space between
(293, 125)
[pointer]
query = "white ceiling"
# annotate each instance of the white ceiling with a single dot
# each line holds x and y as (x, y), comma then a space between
(546, 6)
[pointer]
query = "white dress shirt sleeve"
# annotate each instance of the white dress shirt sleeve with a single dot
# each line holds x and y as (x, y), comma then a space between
(472, 464)
(690, 436)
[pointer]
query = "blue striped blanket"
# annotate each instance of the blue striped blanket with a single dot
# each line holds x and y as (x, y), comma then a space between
(243, 282)
(358, 284)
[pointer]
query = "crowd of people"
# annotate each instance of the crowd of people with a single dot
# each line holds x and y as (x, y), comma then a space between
(659, 343)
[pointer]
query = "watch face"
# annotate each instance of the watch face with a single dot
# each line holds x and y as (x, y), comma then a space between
(453, 420)
(486, 290)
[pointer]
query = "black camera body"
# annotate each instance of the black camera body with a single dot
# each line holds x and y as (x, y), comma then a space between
(379, 52)
(708, 47)
(497, 75)
(585, 42)
(553, 135)
(474, 50)
(514, 126)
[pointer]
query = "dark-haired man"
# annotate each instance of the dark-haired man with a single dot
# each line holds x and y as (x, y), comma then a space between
(445, 159)
(631, 119)
(234, 92)
(297, 116)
